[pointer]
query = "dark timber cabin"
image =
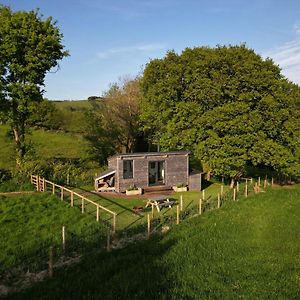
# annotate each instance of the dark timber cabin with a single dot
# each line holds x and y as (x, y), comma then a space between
(148, 171)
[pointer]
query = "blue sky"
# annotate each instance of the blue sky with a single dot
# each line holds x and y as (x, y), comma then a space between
(108, 40)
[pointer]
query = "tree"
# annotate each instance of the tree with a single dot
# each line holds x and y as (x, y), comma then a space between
(30, 46)
(227, 105)
(114, 121)
(45, 115)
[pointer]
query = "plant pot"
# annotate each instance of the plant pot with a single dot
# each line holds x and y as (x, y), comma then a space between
(180, 189)
(134, 192)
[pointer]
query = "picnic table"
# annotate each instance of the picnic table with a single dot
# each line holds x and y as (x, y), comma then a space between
(159, 201)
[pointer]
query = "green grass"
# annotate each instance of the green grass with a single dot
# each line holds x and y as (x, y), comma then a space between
(29, 224)
(247, 249)
(47, 144)
(127, 221)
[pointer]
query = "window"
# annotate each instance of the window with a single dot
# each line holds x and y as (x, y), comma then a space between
(127, 169)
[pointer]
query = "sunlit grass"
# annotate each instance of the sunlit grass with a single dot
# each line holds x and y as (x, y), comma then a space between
(247, 249)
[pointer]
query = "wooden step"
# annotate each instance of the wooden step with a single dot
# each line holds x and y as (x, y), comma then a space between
(156, 188)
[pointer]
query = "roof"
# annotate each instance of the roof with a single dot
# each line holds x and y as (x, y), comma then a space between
(139, 154)
(105, 174)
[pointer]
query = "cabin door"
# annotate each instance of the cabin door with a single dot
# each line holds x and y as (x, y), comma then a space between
(156, 172)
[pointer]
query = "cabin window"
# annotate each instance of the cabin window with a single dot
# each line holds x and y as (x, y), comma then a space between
(127, 169)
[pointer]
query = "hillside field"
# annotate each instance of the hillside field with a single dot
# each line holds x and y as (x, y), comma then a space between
(246, 249)
(47, 144)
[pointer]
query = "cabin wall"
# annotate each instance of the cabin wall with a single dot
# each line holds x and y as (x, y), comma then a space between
(176, 171)
(195, 182)
(113, 164)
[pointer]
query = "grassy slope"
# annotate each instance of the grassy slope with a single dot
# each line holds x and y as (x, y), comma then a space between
(47, 145)
(31, 223)
(247, 249)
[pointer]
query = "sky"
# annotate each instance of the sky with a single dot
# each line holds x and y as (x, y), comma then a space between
(110, 40)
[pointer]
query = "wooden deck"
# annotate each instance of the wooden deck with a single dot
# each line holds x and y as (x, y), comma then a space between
(157, 188)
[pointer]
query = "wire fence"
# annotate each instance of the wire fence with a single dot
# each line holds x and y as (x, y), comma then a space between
(64, 245)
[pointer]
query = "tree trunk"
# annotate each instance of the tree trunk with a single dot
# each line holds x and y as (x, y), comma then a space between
(232, 183)
(20, 146)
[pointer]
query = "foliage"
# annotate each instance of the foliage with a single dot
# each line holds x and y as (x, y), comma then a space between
(102, 137)
(30, 47)
(246, 249)
(73, 115)
(114, 121)
(5, 175)
(45, 115)
(227, 105)
(132, 187)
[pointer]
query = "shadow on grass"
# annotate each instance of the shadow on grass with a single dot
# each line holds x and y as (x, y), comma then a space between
(108, 200)
(135, 272)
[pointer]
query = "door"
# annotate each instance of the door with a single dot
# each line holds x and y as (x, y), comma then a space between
(156, 172)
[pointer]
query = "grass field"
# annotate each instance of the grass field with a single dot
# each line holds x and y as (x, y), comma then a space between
(127, 221)
(29, 224)
(246, 249)
(47, 144)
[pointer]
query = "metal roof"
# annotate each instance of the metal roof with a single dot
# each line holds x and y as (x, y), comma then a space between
(139, 154)
(105, 174)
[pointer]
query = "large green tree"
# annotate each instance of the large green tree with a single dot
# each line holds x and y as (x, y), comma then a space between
(228, 105)
(113, 123)
(30, 46)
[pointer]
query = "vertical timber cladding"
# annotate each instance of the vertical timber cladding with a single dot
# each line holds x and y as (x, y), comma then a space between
(113, 164)
(175, 168)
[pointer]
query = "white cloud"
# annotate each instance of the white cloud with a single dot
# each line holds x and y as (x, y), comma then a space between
(143, 48)
(287, 56)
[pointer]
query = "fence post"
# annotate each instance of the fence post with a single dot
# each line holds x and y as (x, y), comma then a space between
(246, 190)
(148, 226)
(265, 183)
(218, 200)
(237, 186)
(63, 238)
(181, 204)
(203, 195)
(72, 199)
(222, 190)
(97, 215)
(82, 205)
(44, 185)
(53, 188)
(234, 194)
(38, 183)
(114, 223)
(177, 219)
(272, 182)
(258, 181)
(50, 263)
(61, 193)
(200, 206)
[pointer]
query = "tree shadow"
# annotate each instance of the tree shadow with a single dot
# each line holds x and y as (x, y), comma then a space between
(135, 272)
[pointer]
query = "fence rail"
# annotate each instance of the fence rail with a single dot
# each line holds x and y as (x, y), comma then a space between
(42, 185)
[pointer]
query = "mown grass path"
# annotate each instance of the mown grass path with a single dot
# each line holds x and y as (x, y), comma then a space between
(247, 249)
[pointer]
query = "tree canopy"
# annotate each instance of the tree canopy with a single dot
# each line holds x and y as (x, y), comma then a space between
(113, 124)
(30, 46)
(228, 105)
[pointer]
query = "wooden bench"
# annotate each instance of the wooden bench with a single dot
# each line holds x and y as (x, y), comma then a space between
(159, 201)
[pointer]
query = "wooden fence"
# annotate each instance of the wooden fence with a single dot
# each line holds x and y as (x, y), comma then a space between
(42, 185)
